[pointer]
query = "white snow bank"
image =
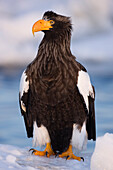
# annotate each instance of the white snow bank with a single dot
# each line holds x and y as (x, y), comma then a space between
(14, 158)
(102, 158)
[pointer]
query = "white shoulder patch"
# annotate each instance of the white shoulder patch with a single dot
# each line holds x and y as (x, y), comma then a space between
(84, 86)
(24, 86)
(40, 135)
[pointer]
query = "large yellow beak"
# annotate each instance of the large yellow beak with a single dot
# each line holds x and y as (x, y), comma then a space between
(41, 25)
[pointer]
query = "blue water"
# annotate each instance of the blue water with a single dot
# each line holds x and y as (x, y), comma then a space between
(12, 129)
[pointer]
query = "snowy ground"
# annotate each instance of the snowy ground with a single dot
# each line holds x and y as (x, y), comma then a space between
(14, 158)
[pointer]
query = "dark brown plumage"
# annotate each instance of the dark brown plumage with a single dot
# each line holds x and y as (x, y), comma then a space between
(53, 98)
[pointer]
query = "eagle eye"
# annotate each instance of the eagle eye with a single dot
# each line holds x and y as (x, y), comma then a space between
(52, 22)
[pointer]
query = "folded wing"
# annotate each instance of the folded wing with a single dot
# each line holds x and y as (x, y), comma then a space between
(24, 95)
(87, 91)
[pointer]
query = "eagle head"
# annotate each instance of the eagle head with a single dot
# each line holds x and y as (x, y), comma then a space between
(53, 24)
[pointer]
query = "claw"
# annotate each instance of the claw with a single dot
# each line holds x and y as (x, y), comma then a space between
(46, 153)
(56, 155)
(82, 158)
(67, 157)
(31, 149)
(33, 152)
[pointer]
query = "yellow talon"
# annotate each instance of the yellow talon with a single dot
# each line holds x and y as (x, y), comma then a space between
(69, 154)
(48, 151)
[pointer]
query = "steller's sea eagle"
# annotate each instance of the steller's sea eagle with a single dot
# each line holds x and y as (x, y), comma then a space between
(56, 95)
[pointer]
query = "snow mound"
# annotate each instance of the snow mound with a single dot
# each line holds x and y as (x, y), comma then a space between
(14, 158)
(102, 157)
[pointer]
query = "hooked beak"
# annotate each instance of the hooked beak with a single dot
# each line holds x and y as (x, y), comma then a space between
(41, 25)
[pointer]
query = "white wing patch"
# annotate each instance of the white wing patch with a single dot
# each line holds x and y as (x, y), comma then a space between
(24, 87)
(40, 135)
(84, 86)
(79, 137)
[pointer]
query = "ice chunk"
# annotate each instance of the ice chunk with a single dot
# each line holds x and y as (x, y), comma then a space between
(102, 157)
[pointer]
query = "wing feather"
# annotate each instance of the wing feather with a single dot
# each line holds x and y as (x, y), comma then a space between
(90, 125)
(87, 91)
(24, 94)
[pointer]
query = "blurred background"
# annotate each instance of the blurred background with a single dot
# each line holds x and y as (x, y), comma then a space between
(92, 44)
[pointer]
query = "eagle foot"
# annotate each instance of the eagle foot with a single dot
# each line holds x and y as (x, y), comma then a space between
(48, 151)
(69, 155)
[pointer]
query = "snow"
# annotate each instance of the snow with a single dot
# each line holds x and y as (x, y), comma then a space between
(12, 157)
(102, 157)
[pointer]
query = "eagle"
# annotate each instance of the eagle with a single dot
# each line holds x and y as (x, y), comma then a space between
(57, 99)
